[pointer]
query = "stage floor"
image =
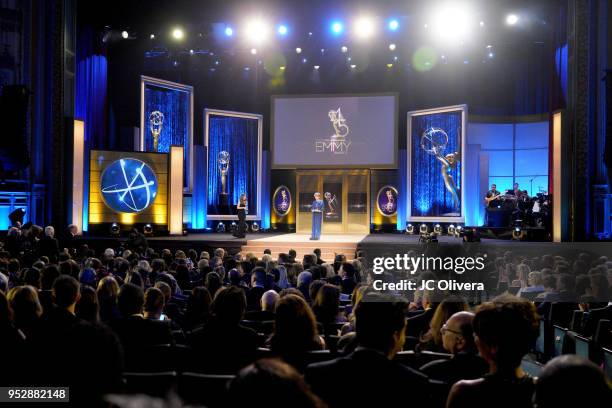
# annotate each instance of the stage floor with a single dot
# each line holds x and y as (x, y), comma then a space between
(305, 238)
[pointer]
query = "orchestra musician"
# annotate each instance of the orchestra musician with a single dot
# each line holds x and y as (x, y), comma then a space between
(492, 197)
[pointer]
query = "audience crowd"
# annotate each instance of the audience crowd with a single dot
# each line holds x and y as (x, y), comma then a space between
(292, 332)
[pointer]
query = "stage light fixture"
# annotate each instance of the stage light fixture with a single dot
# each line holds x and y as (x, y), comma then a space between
(178, 34)
(344, 49)
(491, 54)
(389, 65)
(152, 36)
(220, 227)
(229, 31)
(519, 234)
(337, 27)
(437, 229)
(256, 31)
(364, 27)
(254, 51)
(282, 29)
(482, 23)
(115, 230)
(282, 67)
(393, 25)
(316, 67)
(512, 19)
(233, 226)
(191, 52)
(353, 66)
(395, 58)
(450, 230)
(423, 229)
(410, 229)
(452, 22)
(298, 50)
(392, 47)
(304, 60)
(458, 230)
(255, 226)
(125, 35)
(148, 230)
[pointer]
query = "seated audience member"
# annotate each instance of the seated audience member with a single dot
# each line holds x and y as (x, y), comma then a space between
(198, 308)
(132, 328)
(286, 384)
(534, 286)
(369, 377)
(107, 292)
(593, 318)
(63, 341)
(258, 287)
(48, 245)
(317, 252)
(315, 286)
(15, 351)
(347, 273)
(268, 303)
(26, 308)
(505, 330)
(87, 307)
(295, 331)
(47, 277)
(304, 280)
(571, 381)
(153, 304)
(326, 308)
(432, 339)
(458, 340)
(222, 345)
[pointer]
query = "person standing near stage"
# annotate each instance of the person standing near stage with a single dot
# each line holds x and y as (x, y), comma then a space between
(317, 216)
(242, 210)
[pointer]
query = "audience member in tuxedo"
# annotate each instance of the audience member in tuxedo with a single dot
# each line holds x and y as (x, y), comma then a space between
(268, 303)
(198, 308)
(223, 345)
(432, 339)
(381, 325)
(317, 252)
(14, 348)
(107, 291)
(347, 273)
(505, 329)
(62, 341)
(87, 307)
(133, 329)
(213, 283)
(48, 245)
(286, 384)
(258, 287)
(295, 331)
(304, 280)
(26, 308)
(458, 340)
(571, 381)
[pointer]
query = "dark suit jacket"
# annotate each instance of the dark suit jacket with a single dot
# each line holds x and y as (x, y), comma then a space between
(49, 247)
(347, 286)
(367, 378)
(260, 315)
(254, 297)
(463, 366)
(418, 324)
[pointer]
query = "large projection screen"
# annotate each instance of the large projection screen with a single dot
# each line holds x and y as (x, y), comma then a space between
(436, 174)
(334, 131)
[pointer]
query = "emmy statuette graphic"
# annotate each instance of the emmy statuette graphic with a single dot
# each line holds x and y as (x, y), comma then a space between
(434, 142)
(223, 164)
(332, 204)
(156, 122)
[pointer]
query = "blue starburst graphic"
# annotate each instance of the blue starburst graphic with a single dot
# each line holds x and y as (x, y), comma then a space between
(128, 185)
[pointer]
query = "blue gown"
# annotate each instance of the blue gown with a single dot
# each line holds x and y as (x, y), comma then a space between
(317, 218)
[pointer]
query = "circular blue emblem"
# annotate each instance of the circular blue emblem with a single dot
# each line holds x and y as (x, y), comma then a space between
(386, 201)
(282, 201)
(128, 185)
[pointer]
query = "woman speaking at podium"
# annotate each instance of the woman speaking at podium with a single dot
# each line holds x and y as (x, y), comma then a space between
(241, 209)
(317, 216)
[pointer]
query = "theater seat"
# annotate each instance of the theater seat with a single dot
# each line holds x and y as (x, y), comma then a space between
(416, 360)
(157, 384)
(205, 389)
(317, 356)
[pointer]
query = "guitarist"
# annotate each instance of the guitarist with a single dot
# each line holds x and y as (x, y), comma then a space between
(492, 197)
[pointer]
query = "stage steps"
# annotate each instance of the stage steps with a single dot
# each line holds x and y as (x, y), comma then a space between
(328, 249)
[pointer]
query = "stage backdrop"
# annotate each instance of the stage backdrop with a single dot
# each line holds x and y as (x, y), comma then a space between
(171, 104)
(128, 188)
(334, 131)
(436, 142)
(234, 138)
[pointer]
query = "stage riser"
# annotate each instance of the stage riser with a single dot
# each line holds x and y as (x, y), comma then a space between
(328, 249)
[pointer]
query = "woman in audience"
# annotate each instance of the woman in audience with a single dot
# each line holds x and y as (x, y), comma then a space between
(87, 307)
(198, 308)
(326, 308)
(107, 291)
(295, 331)
(505, 330)
(213, 283)
(432, 339)
(26, 308)
(14, 348)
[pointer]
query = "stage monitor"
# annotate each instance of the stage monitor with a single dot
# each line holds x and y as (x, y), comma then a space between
(334, 131)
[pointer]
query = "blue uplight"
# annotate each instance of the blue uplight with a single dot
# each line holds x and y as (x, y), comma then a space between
(337, 27)
(282, 29)
(229, 31)
(393, 25)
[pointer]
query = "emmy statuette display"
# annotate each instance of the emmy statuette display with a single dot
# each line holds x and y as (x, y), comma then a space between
(156, 122)
(434, 142)
(223, 163)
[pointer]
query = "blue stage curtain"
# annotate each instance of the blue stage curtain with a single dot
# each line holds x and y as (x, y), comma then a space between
(174, 104)
(429, 195)
(238, 136)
